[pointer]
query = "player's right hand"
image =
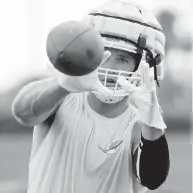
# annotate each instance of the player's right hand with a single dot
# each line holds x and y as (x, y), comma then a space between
(89, 82)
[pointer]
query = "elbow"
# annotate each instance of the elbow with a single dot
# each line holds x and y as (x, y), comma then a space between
(23, 121)
(21, 116)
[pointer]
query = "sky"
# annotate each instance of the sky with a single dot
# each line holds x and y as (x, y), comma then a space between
(25, 24)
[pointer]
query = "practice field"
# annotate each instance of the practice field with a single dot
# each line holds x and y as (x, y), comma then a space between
(15, 151)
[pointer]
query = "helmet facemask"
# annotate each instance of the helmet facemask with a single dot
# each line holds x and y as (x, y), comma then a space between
(109, 77)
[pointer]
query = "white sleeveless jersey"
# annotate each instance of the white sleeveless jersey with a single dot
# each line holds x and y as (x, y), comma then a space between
(69, 158)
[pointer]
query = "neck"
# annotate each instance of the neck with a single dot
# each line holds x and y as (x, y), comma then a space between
(105, 109)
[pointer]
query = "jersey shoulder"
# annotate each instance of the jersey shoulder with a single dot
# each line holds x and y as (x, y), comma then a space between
(73, 101)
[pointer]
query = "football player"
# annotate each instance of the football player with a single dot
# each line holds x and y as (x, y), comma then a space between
(87, 141)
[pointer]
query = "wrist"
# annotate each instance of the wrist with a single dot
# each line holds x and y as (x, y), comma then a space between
(152, 116)
(62, 91)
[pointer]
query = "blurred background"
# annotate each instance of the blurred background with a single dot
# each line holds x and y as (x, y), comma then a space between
(24, 27)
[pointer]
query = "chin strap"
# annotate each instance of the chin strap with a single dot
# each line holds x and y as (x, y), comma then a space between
(153, 62)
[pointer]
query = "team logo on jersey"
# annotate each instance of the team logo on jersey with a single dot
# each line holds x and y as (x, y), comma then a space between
(111, 147)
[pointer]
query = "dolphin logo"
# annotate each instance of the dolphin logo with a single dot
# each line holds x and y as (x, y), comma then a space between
(111, 147)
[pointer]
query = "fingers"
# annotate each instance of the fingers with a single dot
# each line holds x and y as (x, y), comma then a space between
(135, 79)
(106, 55)
(159, 49)
(160, 72)
(148, 77)
(145, 73)
(99, 88)
(127, 86)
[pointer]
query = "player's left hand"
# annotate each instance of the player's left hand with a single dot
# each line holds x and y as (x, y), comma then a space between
(145, 98)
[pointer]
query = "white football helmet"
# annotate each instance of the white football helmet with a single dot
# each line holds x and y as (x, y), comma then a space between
(128, 27)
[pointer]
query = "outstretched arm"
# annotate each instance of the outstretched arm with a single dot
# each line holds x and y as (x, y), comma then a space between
(36, 101)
